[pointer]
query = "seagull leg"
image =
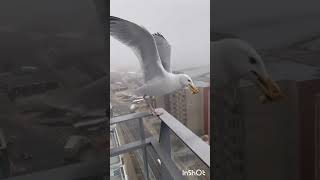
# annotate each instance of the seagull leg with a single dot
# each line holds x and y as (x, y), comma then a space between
(149, 102)
(153, 111)
(146, 99)
(153, 98)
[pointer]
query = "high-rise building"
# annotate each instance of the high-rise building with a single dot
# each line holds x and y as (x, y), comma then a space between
(192, 110)
(276, 141)
(117, 167)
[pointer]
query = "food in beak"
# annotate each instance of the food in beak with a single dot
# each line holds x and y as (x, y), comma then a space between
(270, 89)
(193, 89)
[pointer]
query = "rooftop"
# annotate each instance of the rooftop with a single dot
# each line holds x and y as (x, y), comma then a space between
(289, 70)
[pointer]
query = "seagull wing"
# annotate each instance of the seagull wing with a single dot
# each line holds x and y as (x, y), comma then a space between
(141, 42)
(164, 50)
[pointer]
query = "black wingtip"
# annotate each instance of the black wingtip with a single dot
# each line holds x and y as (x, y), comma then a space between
(115, 19)
(158, 34)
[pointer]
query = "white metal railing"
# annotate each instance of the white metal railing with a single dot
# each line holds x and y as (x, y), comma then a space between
(162, 146)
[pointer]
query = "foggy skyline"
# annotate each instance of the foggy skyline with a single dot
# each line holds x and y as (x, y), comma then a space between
(267, 24)
(185, 24)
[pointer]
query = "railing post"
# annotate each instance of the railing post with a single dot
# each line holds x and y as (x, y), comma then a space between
(165, 145)
(144, 150)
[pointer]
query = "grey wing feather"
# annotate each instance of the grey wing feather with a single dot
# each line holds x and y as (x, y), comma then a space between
(164, 50)
(141, 42)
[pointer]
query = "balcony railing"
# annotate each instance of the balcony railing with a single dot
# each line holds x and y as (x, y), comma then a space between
(162, 146)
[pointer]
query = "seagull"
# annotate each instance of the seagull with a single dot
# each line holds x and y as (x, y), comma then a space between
(235, 59)
(153, 52)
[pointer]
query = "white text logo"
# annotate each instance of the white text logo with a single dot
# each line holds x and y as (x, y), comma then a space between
(192, 172)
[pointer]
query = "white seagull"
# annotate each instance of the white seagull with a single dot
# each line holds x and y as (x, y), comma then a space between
(234, 59)
(153, 52)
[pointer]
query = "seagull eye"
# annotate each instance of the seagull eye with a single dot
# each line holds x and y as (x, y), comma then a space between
(252, 60)
(189, 80)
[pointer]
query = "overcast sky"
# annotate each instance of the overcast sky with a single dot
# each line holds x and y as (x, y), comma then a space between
(184, 23)
(267, 23)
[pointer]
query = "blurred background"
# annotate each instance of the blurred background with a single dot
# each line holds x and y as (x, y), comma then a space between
(53, 76)
(278, 140)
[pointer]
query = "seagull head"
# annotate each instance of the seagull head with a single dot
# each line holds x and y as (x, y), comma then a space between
(187, 82)
(241, 61)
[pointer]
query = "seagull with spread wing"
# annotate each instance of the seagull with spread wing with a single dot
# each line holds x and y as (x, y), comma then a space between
(153, 52)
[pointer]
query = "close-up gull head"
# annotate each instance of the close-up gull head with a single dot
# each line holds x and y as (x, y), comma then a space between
(153, 52)
(234, 59)
(187, 82)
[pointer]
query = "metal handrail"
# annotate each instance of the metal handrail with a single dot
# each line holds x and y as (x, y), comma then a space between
(191, 140)
(163, 145)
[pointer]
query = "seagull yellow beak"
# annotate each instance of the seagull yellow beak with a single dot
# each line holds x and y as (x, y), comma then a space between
(270, 89)
(193, 89)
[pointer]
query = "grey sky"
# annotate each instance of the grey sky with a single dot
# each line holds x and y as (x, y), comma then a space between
(184, 23)
(268, 23)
